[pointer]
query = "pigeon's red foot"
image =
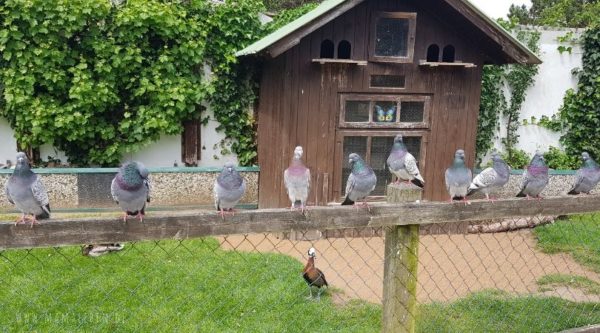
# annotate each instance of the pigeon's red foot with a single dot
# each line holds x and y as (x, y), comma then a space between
(140, 216)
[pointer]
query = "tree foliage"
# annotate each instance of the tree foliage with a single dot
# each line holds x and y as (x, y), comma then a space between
(97, 80)
(580, 112)
(563, 13)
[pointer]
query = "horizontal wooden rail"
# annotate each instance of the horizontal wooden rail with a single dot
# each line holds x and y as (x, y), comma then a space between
(190, 224)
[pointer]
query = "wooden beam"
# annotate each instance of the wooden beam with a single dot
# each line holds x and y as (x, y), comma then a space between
(190, 224)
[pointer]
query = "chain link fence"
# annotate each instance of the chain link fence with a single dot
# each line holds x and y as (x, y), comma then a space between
(537, 274)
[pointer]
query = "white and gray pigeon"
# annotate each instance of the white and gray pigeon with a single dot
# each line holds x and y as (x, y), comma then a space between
(403, 164)
(361, 181)
(491, 178)
(587, 177)
(296, 179)
(131, 189)
(26, 191)
(458, 177)
(229, 189)
(535, 178)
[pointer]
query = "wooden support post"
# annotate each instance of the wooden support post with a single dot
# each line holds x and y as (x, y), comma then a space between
(400, 266)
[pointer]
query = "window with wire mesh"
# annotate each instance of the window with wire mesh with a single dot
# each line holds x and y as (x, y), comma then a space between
(384, 111)
(393, 36)
(375, 149)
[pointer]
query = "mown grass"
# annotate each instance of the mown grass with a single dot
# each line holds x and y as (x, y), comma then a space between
(193, 285)
(578, 235)
(580, 282)
(496, 311)
(167, 286)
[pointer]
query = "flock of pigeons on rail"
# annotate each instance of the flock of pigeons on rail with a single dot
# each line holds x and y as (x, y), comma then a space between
(130, 188)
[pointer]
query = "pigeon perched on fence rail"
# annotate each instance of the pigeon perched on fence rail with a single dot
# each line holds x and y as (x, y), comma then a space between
(403, 164)
(361, 181)
(26, 191)
(131, 189)
(587, 177)
(458, 177)
(491, 178)
(229, 189)
(297, 180)
(535, 178)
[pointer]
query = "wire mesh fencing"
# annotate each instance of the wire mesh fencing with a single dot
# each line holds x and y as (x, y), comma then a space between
(537, 274)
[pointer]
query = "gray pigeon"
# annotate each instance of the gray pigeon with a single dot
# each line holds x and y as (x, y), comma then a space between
(587, 177)
(297, 180)
(26, 191)
(458, 178)
(229, 189)
(535, 178)
(361, 181)
(491, 178)
(403, 165)
(131, 189)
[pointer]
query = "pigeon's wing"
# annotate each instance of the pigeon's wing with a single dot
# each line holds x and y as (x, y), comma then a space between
(486, 178)
(447, 179)
(579, 177)
(307, 176)
(8, 194)
(39, 192)
(148, 185)
(113, 190)
(410, 163)
(350, 184)
(216, 195)
(524, 180)
(286, 180)
(393, 163)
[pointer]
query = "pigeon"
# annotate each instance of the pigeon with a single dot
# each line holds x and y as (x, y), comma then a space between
(458, 178)
(131, 189)
(361, 181)
(229, 189)
(587, 177)
(535, 178)
(25, 190)
(403, 165)
(491, 178)
(313, 276)
(297, 180)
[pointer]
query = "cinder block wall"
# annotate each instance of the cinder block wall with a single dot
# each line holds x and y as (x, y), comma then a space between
(90, 188)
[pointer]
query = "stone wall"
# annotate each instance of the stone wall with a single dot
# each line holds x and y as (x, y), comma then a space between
(90, 188)
(560, 183)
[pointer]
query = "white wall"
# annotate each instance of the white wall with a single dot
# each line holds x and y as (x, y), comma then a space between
(8, 143)
(545, 96)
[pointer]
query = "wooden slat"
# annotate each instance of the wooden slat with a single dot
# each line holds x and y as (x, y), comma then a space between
(190, 224)
(324, 61)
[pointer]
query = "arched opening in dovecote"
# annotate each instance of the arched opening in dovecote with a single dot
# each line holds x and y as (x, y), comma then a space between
(327, 49)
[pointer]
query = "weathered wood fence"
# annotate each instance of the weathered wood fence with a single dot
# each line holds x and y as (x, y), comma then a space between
(402, 216)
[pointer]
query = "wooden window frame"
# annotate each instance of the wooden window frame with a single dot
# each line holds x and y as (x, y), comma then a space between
(412, 27)
(372, 98)
(342, 160)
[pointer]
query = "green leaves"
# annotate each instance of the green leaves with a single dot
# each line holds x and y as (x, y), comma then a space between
(579, 114)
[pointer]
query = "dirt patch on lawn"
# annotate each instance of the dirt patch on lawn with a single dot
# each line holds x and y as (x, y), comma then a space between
(450, 266)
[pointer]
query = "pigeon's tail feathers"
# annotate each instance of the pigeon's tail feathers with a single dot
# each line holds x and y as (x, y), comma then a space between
(472, 190)
(457, 197)
(417, 182)
(520, 194)
(132, 213)
(347, 201)
(45, 214)
(573, 192)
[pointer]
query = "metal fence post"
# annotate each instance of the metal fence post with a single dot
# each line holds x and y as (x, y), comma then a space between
(400, 266)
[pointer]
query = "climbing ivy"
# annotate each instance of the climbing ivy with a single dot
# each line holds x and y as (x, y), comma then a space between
(517, 78)
(580, 112)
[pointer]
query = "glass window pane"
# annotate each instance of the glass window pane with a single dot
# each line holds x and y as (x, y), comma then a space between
(352, 144)
(411, 112)
(380, 149)
(391, 37)
(384, 112)
(357, 111)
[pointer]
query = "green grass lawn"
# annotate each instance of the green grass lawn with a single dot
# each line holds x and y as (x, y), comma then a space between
(578, 235)
(193, 285)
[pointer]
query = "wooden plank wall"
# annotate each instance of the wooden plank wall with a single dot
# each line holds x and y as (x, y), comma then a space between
(299, 101)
